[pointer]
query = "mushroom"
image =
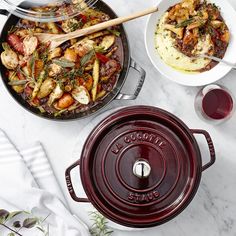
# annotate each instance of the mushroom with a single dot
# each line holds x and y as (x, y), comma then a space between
(225, 37)
(108, 41)
(9, 58)
(216, 23)
(81, 94)
(56, 94)
(178, 31)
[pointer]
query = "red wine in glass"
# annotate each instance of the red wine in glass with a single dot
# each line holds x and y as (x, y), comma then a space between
(214, 103)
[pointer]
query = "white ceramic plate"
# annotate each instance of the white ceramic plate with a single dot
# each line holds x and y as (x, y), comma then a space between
(197, 79)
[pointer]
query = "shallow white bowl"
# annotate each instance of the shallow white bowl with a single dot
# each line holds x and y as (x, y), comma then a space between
(196, 79)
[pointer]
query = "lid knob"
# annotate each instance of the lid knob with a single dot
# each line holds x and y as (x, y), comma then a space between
(141, 169)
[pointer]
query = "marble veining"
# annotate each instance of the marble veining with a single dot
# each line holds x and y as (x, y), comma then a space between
(213, 210)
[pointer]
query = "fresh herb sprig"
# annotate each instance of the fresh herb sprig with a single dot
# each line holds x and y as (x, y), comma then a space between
(185, 23)
(17, 225)
(99, 227)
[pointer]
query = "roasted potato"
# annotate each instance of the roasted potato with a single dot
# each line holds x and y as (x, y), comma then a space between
(54, 70)
(9, 59)
(56, 52)
(46, 88)
(13, 77)
(70, 55)
(53, 28)
(86, 81)
(83, 47)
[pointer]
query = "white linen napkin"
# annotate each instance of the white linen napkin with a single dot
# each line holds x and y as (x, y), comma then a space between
(20, 191)
(36, 160)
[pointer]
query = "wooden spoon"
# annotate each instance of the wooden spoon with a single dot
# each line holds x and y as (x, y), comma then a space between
(57, 39)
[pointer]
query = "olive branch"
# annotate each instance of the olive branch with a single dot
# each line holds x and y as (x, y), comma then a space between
(11, 222)
(17, 225)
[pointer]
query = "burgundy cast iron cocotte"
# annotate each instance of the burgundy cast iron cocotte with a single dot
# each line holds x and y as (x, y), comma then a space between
(141, 166)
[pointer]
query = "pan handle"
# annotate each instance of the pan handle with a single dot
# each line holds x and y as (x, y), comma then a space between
(4, 12)
(69, 183)
(142, 75)
(210, 146)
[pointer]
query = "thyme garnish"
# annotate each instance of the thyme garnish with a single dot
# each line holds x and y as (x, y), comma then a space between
(185, 23)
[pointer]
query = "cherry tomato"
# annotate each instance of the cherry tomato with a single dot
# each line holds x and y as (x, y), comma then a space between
(83, 18)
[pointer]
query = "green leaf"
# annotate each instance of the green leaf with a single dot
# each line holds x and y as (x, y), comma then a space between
(30, 222)
(115, 32)
(41, 229)
(11, 234)
(17, 82)
(16, 224)
(6, 46)
(4, 213)
(99, 49)
(185, 23)
(87, 57)
(63, 63)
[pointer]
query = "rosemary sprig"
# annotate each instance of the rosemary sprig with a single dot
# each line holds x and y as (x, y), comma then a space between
(12, 29)
(71, 108)
(44, 55)
(99, 227)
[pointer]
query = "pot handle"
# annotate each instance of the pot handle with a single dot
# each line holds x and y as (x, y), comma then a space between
(69, 183)
(142, 75)
(4, 12)
(210, 146)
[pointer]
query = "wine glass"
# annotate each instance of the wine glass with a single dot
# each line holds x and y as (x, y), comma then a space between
(214, 104)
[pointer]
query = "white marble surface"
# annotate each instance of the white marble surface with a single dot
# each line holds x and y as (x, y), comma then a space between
(213, 210)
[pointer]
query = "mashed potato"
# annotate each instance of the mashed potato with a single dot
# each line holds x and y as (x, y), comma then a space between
(165, 46)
